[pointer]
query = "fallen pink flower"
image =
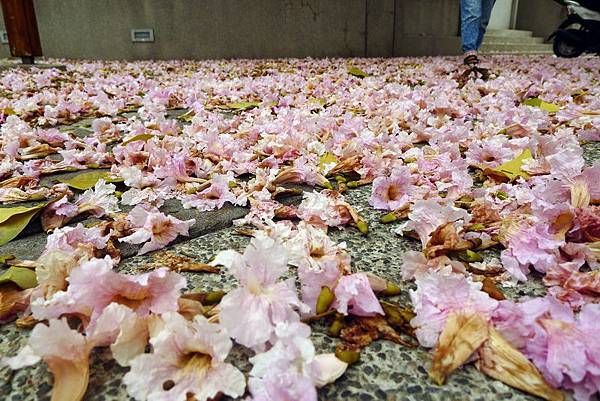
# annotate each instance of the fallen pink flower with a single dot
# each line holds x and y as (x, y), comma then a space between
(154, 229)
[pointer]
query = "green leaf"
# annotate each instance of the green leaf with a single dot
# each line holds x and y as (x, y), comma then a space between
(539, 103)
(87, 180)
(469, 256)
(8, 212)
(187, 117)
(13, 226)
(140, 137)
(511, 169)
(357, 72)
(21, 276)
(5, 258)
(242, 105)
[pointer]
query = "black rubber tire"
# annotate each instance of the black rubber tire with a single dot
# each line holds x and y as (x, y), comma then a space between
(563, 49)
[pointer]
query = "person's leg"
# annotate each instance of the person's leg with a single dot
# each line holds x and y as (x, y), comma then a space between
(470, 21)
(486, 12)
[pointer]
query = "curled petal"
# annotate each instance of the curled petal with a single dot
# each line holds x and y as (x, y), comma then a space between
(462, 336)
(329, 367)
(503, 362)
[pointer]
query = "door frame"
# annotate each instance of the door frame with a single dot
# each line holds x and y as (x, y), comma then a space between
(513, 14)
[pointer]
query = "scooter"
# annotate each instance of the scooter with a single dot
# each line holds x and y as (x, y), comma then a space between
(580, 32)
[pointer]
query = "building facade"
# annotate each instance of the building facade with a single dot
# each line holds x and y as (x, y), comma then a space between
(204, 29)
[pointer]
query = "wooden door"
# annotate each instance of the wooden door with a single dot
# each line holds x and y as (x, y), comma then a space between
(21, 28)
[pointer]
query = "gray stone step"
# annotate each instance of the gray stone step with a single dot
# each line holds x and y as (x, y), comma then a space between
(510, 33)
(491, 39)
(516, 48)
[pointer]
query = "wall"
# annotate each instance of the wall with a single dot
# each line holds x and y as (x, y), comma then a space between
(540, 16)
(247, 28)
(501, 15)
(427, 27)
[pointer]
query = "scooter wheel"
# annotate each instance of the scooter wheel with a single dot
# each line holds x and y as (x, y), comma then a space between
(564, 48)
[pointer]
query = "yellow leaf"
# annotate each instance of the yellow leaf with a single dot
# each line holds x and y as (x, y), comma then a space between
(140, 137)
(357, 72)
(13, 226)
(511, 169)
(242, 105)
(21, 276)
(327, 158)
(539, 103)
(87, 180)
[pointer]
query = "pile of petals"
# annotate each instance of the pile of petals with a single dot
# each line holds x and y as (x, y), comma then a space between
(487, 176)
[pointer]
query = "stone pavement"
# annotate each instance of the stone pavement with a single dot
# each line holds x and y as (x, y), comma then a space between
(386, 371)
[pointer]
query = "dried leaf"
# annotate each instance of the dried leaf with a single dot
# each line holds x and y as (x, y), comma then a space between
(13, 300)
(398, 317)
(179, 263)
(512, 169)
(26, 322)
(18, 182)
(87, 180)
(461, 337)
(362, 331)
(492, 290)
(21, 276)
(446, 239)
(498, 359)
(515, 131)
(539, 103)
(189, 308)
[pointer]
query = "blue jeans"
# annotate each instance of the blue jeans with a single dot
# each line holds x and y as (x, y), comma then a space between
(474, 18)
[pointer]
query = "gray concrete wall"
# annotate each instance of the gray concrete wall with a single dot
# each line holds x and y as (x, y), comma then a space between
(540, 16)
(202, 28)
(249, 28)
(427, 27)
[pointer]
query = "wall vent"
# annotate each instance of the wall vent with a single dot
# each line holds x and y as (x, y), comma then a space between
(3, 37)
(142, 35)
